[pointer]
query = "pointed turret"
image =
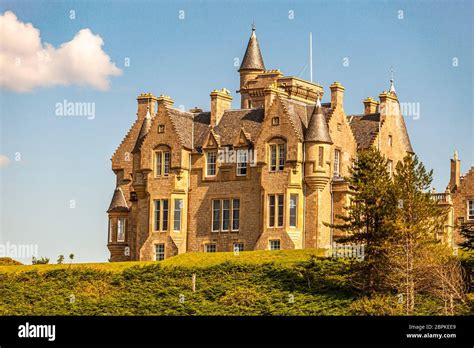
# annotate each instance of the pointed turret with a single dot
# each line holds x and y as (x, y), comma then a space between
(143, 131)
(251, 66)
(118, 202)
(318, 130)
(253, 59)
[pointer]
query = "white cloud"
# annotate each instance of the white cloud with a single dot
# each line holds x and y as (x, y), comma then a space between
(27, 63)
(4, 161)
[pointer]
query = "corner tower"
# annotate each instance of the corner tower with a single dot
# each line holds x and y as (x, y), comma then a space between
(251, 66)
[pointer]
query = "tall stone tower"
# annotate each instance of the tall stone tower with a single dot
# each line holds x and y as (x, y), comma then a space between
(251, 66)
(317, 175)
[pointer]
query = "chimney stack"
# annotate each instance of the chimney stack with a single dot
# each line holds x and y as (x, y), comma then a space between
(165, 100)
(371, 106)
(337, 95)
(455, 178)
(145, 101)
(220, 101)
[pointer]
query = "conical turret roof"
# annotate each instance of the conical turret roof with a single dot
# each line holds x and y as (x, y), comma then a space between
(118, 202)
(253, 59)
(318, 130)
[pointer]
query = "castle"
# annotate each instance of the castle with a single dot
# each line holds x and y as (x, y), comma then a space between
(265, 176)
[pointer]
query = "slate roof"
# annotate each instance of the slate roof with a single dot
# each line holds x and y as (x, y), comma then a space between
(118, 202)
(253, 56)
(365, 128)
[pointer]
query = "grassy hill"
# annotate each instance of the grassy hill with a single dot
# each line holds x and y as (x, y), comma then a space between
(293, 282)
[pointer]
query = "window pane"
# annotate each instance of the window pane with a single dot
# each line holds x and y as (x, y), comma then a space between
(211, 163)
(281, 156)
(159, 252)
(271, 210)
(158, 163)
(166, 169)
(242, 162)
(275, 244)
(225, 214)
(157, 216)
(216, 215)
(165, 215)
(293, 209)
(273, 157)
(235, 214)
(471, 210)
(178, 205)
(280, 210)
(121, 230)
(211, 248)
(337, 155)
(238, 247)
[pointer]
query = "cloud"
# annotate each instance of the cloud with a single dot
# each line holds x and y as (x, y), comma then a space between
(27, 63)
(4, 161)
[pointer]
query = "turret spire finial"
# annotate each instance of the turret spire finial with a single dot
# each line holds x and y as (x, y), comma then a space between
(392, 86)
(254, 27)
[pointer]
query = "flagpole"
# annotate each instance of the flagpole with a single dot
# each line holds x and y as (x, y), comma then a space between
(311, 56)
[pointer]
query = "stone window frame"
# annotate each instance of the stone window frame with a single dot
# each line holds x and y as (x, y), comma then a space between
(121, 222)
(337, 164)
(270, 241)
(468, 215)
(111, 230)
(210, 245)
(206, 170)
(161, 128)
(280, 146)
(238, 162)
(390, 140)
(163, 253)
(276, 210)
(275, 121)
(234, 244)
(161, 213)
(296, 195)
(221, 214)
(165, 164)
(179, 209)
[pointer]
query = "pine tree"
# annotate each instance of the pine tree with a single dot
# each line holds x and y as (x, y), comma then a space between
(413, 251)
(366, 218)
(468, 233)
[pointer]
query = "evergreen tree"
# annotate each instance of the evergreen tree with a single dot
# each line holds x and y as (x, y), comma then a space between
(365, 221)
(468, 233)
(413, 251)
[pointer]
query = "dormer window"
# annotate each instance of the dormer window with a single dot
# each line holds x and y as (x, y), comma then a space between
(277, 152)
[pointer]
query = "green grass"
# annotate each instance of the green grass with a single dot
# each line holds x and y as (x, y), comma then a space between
(194, 260)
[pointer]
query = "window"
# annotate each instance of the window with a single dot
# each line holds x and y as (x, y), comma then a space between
(160, 215)
(110, 231)
(293, 210)
(225, 214)
(238, 247)
(275, 121)
(162, 163)
(274, 244)
(178, 206)
(277, 157)
(390, 140)
(321, 156)
(161, 128)
(242, 162)
(121, 230)
(211, 158)
(159, 252)
(235, 214)
(470, 209)
(210, 248)
(390, 168)
(339, 126)
(275, 210)
(337, 162)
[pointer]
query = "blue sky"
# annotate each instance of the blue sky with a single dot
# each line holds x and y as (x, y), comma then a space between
(64, 159)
